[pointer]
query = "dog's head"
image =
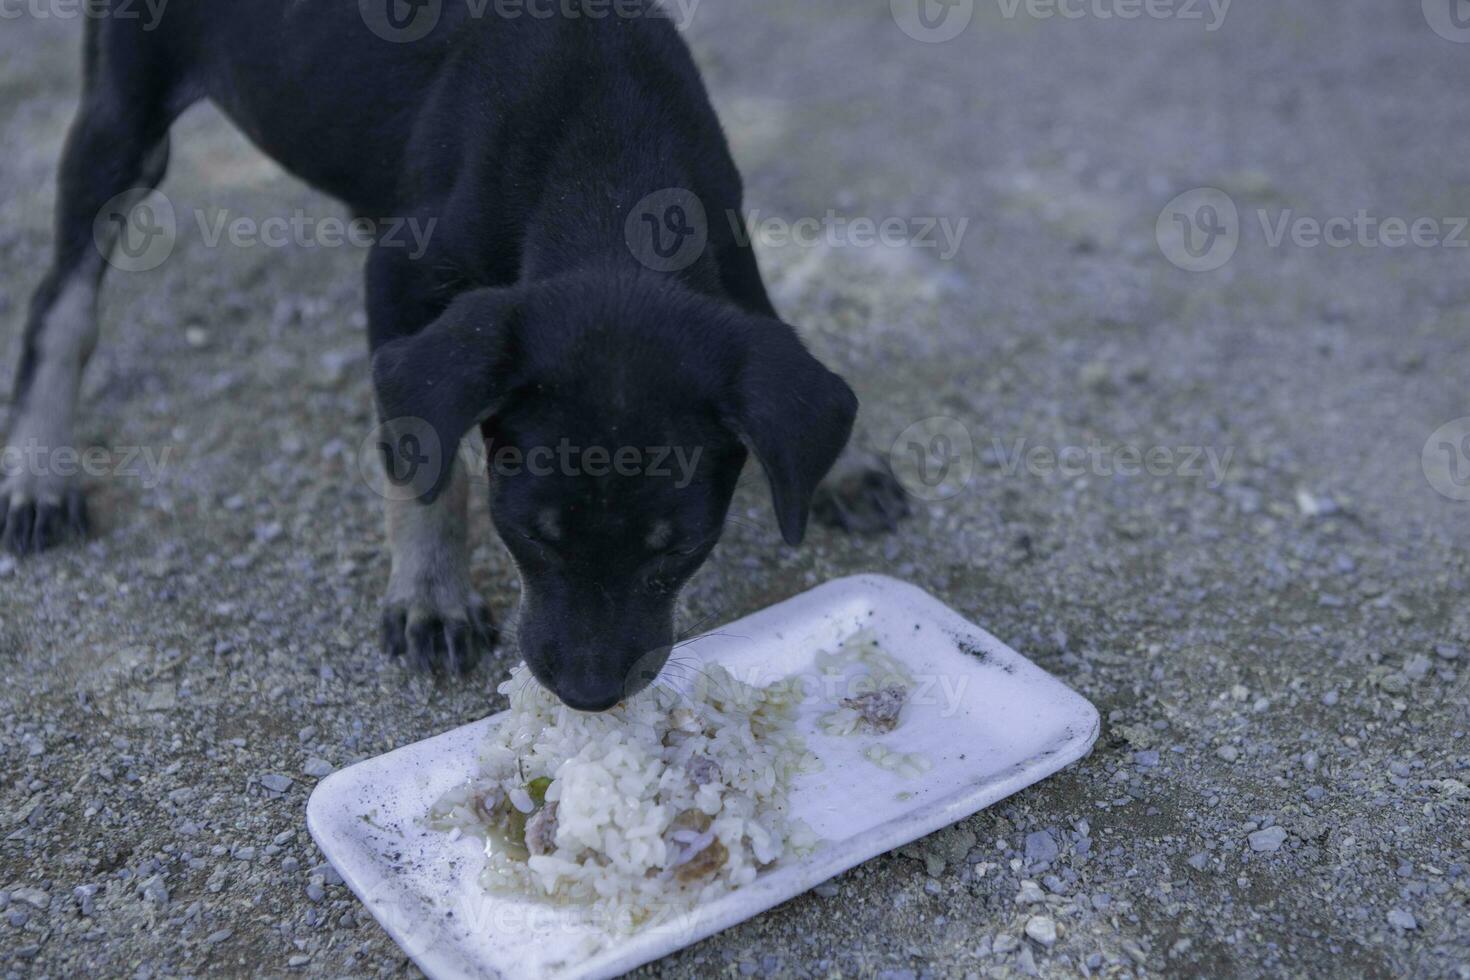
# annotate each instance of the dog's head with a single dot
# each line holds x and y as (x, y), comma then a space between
(617, 416)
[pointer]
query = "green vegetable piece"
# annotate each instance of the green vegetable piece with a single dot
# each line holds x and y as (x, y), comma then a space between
(537, 788)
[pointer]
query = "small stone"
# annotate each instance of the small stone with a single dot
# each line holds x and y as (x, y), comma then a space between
(1401, 919)
(1041, 847)
(154, 890)
(1269, 839)
(1199, 861)
(7, 566)
(1030, 894)
(33, 897)
(826, 890)
(1228, 752)
(1418, 667)
(275, 782)
(315, 891)
(1444, 651)
(1042, 929)
(84, 894)
(1147, 759)
(318, 768)
(298, 961)
(219, 936)
(246, 853)
(1004, 943)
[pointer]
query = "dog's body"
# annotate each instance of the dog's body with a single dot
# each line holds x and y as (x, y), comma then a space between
(530, 143)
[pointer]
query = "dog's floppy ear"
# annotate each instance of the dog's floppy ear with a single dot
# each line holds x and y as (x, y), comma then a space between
(796, 415)
(432, 387)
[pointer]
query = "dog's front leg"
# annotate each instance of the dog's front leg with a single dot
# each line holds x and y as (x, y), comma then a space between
(432, 614)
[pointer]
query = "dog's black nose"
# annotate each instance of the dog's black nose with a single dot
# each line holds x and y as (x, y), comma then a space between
(591, 698)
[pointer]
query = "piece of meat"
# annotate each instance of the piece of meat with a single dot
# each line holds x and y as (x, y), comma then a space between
(703, 770)
(879, 709)
(541, 830)
(704, 864)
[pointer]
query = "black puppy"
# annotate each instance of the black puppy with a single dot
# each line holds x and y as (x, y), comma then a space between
(566, 163)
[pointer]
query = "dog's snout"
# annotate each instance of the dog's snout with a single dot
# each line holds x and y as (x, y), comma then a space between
(588, 696)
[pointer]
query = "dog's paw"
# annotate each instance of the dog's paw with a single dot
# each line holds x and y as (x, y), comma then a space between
(861, 496)
(37, 514)
(438, 640)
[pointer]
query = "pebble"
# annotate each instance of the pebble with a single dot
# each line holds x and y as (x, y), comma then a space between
(84, 894)
(315, 891)
(1400, 919)
(1041, 847)
(298, 961)
(1199, 861)
(7, 566)
(219, 936)
(1228, 752)
(275, 782)
(317, 767)
(1030, 894)
(154, 890)
(1146, 759)
(1042, 928)
(33, 897)
(1269, 839)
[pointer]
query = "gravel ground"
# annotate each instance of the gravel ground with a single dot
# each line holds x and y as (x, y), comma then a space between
(1276, 637)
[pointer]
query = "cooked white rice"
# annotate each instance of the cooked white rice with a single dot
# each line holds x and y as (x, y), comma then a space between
(665, 802)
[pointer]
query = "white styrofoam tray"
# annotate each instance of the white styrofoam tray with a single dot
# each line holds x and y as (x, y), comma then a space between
(991, 721)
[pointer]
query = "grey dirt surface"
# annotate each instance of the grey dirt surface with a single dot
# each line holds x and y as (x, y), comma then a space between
(1271, 616)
